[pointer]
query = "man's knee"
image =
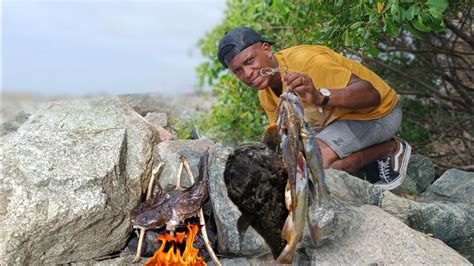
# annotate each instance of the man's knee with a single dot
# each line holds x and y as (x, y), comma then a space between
(328, 155)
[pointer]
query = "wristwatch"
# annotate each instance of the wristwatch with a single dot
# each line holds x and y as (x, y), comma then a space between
(326, 93)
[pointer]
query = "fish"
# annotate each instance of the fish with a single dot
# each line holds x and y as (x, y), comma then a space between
(302, 155)
(289, 126)
(170, 208)
(294, 225)
(255, 178)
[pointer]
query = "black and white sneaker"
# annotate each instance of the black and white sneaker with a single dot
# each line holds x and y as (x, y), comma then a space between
(392, 170)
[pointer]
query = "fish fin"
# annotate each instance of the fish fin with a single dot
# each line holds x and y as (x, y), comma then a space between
(286, 255)
(287, 228)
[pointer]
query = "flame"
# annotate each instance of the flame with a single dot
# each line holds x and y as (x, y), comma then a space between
(173, 256)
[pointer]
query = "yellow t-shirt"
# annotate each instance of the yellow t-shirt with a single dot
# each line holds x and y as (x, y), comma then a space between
(330, 70)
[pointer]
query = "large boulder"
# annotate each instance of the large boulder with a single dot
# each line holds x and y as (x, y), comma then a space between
(70, 176)
(454, 186)
(451, 222)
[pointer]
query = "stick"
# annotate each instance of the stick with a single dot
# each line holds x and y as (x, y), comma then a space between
(155, 170)
(201, 217)
(178, 177)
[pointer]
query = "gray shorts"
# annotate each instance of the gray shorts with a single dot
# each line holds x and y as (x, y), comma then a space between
(348, 136)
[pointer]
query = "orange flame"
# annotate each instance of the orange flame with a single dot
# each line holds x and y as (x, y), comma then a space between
(173, 256)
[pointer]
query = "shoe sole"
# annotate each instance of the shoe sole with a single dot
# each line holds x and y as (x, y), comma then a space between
(403, 171)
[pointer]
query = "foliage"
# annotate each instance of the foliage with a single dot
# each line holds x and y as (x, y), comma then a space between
(181, 127)
(423, 48)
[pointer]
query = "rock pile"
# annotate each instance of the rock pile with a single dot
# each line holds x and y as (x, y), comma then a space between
(72, 171)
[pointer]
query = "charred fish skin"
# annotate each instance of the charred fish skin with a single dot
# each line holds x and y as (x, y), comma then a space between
(175, 205)
(255, 178)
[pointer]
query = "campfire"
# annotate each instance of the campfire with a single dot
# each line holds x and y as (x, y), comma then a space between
(177, 252)
(171, 209)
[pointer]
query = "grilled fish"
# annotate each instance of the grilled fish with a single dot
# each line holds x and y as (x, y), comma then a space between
(173, 207)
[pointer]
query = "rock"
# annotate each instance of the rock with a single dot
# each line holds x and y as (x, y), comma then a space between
(70, 176)
(454, 186)
(143, 103)
(165, 134)
(157, 119)
(13, 124)
(226, 213)
(453, 223)
(169, 152)
(377, 237)
(420, 174)
(255, 177)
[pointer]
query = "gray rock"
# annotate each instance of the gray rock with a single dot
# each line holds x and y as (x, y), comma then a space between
(379, 238)
(169, 152)
(157, 119)
(70, 176)
(375, 238)
(453, 186)
(452, 223)
(420, 174)
(143, 103)
(13, 124)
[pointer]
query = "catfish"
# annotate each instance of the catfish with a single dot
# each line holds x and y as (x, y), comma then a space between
(170, 208)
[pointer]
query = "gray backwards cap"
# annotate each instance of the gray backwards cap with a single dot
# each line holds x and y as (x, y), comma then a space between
(236, 40)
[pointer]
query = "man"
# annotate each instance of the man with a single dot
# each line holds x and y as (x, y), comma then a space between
(355, 108)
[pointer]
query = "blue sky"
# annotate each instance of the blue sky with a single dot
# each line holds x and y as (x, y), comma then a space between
(83, 47)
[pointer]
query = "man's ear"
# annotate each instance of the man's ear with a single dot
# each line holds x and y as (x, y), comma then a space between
(267, 48)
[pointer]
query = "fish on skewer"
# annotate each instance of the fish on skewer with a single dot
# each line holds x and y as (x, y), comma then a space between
(175, 206)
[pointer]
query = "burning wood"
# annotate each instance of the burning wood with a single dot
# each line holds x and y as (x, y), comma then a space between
(174, 254)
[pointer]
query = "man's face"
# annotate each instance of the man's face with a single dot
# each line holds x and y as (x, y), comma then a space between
(247, 64)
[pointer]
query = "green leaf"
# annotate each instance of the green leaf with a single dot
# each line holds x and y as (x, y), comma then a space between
(374, 52)
(390, 28)
(440, 5)
(346, 38)
(412, 12)
(356, 25)
(394, 10)
(418, 24)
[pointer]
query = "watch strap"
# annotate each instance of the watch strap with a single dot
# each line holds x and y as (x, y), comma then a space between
(325, 101)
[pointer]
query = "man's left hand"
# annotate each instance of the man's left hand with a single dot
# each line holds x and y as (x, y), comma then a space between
(303, 86)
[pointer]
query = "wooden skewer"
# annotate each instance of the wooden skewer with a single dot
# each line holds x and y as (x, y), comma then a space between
(156, 169)
(201, 217)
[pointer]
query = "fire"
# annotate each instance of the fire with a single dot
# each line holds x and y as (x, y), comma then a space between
(173, 256)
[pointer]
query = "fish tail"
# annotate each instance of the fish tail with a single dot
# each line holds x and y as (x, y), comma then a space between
(203, 163)
(286, 255)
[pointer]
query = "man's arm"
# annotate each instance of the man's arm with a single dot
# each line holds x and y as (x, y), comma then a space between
(358, 94)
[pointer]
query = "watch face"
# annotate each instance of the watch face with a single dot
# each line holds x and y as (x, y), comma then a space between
(325, 92)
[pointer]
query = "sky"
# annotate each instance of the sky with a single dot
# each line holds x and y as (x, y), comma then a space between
(94, 47)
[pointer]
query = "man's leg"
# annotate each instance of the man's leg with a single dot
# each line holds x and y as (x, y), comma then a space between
(356, 160)
(350, 145)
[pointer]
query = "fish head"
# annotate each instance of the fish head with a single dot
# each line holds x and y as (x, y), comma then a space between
(146, 216)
